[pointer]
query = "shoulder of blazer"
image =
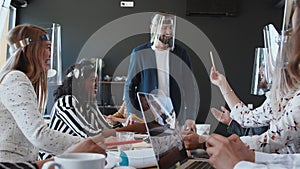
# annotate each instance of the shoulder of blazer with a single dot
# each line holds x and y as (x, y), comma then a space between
(142, 46)
(178, 50)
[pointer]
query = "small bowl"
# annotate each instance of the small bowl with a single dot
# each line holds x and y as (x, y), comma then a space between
(107, 78)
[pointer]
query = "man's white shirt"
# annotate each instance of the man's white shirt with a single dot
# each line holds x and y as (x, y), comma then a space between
(271, 161)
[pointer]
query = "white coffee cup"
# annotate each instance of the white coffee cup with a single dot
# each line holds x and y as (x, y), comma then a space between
(203, 129)
(77, 161)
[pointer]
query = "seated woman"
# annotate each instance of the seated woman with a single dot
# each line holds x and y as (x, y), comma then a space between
(75, 110)
(279, 112)
(23, 88)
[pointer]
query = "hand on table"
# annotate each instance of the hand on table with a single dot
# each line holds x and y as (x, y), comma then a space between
(89, 145)
(193, 141)
(227, 152)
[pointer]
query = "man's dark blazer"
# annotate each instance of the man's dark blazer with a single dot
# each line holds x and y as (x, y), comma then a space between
(142, 77)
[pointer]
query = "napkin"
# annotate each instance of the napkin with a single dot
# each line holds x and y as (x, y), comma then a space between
(112, 159)
(140, 158)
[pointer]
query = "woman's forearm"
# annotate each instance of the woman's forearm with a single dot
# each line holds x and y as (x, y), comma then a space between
(228, 94)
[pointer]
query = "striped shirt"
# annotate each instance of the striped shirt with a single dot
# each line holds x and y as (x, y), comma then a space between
(68, 116)
(18, 165)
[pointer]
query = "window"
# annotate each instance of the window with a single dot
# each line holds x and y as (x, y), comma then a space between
(8, 21)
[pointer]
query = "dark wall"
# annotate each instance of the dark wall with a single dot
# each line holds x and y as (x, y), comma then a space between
(234, 38)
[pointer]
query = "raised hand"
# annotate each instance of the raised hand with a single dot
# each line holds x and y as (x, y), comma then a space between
(216, 78)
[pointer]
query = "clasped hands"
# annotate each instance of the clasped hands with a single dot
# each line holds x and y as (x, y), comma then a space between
(190, 137)
(229, 149)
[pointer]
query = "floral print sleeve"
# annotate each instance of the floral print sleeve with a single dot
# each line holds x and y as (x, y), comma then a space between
(283, 135)
(258, 117)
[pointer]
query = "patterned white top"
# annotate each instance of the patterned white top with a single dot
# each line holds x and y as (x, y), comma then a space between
(23, 130)
(283, 135)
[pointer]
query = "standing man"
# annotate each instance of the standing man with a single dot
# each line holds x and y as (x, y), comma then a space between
(163, 67)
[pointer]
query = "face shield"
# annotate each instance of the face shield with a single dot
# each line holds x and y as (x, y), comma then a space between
(55, 70)
(85, 77)
(260, 85)
(265, 61)
(280, 78)
(275, 59)
(272, 44)
(285, 34)
(163, 31)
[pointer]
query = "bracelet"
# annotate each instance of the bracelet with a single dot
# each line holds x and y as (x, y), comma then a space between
(227, 92)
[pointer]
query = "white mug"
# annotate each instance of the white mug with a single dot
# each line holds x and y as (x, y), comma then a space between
(77, 161)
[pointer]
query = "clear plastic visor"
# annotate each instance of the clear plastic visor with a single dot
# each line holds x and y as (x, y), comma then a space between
(55, 69)
(260, 84)
(163, 31)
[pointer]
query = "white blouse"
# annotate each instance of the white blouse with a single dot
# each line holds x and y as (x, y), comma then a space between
(283, 135)
(23, 130)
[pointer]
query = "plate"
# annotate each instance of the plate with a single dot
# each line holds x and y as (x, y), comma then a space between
(141, 145)
(140, 136)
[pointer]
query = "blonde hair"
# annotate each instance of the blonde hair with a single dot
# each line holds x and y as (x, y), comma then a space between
(286, 79)
(294, 60)
(28, 58)
(293, 66)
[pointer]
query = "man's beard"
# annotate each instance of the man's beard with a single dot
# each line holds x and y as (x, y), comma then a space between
(166, 41)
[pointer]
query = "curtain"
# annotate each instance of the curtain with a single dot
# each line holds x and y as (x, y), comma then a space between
(4, 21)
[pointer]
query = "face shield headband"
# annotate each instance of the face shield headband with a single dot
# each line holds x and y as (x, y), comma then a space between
(163, 31)
(84, 67)
(27, 41)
